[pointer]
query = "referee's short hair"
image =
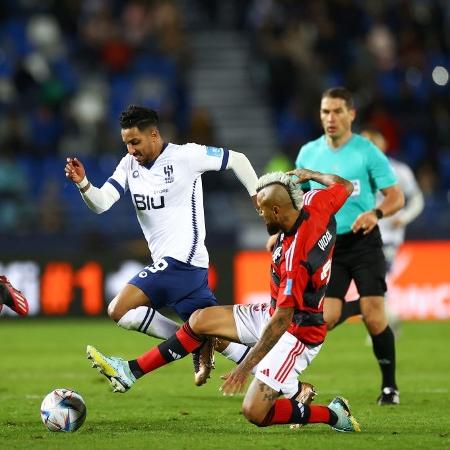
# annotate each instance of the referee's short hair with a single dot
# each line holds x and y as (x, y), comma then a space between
(342, 93)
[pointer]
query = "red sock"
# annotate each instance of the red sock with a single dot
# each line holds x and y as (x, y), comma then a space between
(319, 414)
(187, 338)
(281, 412)
(181, 344)
(151, 360)
(290, 411)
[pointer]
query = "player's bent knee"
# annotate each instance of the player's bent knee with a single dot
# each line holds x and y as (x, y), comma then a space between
(332, 310)
(254, 413)
(253, 416)
(331, 320)
(129, 320)
(195, 321)
(375, 325)
(199, 321)
(114, 311)
(212, 320)
(111, 310)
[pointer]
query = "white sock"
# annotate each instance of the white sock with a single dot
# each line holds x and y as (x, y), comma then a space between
(235, 352)
(149, 321)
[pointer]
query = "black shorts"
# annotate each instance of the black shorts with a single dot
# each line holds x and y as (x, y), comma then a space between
(360, 258)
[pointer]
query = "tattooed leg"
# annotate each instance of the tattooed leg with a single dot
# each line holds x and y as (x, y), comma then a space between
(258, 401)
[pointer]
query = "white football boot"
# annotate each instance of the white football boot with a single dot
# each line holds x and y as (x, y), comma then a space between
(346, 422)
(115, 369)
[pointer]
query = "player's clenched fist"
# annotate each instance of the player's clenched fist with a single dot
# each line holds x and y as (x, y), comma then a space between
(74, 170)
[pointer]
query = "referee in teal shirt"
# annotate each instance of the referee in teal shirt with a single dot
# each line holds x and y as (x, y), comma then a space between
(358, 253)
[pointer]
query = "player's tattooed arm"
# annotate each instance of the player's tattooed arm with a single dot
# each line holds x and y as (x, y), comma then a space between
(276, 326)
(235, 380)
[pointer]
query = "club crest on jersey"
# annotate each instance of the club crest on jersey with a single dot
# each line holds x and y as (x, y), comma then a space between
(168, 174)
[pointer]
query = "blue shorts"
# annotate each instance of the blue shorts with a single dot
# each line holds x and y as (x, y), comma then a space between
(180, 286)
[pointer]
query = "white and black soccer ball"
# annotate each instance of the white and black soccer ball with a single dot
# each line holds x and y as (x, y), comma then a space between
(63, 410)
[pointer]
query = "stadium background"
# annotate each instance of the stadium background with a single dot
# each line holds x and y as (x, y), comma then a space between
(242, 75)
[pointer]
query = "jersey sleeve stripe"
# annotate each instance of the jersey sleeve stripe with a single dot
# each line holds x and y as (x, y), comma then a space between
(194, 225)
(309, 196)
(226, 155)
(290, 254)
(116, 185)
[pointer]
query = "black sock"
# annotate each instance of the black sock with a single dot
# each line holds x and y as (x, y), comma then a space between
(349, 309)
(333, 418)
(301, 414)
(135, 369)
(384, 350)
(5, 296)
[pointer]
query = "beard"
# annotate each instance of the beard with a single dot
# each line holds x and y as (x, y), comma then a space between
(272, 228)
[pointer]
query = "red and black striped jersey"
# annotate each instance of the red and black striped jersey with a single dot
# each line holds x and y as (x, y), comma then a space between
(301, 263)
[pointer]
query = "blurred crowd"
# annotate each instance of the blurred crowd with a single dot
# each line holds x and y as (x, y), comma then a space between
(394, 56)
(67, 70)
(68, 67)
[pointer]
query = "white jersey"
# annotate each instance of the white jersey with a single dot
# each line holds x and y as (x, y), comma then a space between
(390, 234)
(168, 198)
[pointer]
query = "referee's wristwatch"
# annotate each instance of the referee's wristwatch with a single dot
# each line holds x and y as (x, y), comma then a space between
(378, 213)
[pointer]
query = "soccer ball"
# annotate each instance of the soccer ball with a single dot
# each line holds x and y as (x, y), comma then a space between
(63, 410)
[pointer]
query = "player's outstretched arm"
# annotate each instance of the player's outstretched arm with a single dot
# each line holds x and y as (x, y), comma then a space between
(98, 200)
(243, 169)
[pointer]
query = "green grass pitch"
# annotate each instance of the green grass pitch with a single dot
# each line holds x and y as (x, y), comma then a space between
(166, 411)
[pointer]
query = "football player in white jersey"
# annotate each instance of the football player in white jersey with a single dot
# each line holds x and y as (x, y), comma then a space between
(164, 181)
(392, 228)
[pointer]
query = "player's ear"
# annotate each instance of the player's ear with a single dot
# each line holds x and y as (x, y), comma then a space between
(152, 132)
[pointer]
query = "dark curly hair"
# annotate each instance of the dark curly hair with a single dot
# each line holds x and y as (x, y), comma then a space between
(342, 93)
(138, 116)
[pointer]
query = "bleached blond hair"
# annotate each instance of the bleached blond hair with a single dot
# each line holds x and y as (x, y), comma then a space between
(281, 178)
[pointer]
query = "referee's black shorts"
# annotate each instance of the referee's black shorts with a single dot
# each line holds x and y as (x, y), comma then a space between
(360, 258)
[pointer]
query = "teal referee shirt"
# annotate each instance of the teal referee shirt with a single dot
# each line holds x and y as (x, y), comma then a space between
(360, 162)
